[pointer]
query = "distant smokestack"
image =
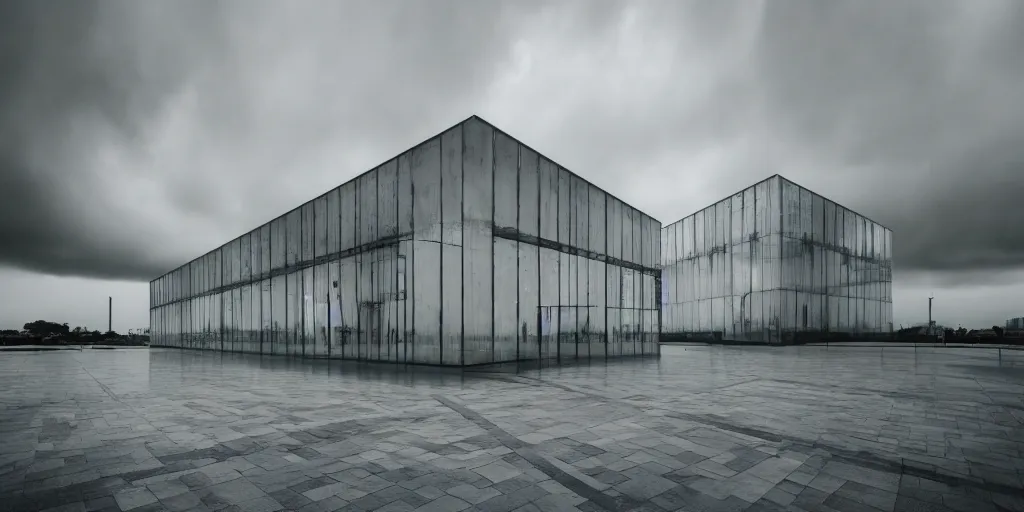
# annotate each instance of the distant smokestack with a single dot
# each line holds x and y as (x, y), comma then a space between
(110, 314)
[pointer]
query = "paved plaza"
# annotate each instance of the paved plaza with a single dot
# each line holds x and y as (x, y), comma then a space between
(701, 428)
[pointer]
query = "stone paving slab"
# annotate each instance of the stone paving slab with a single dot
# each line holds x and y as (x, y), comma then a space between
(701, 428)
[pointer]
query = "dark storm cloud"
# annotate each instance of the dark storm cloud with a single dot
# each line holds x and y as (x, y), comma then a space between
(125, 125)
(56, 74)
(907, 112)
(71, 69)
(921, 100)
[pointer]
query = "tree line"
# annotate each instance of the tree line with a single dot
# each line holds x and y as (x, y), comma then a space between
(47, 329)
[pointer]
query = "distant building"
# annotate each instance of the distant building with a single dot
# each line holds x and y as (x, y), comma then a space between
(470, 248)
(1015, 324)
(923, 328)
(772, 262)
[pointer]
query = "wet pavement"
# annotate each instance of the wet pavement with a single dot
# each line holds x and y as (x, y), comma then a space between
(701, 428)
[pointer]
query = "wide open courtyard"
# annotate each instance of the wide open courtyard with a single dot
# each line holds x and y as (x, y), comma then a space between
(701, 428)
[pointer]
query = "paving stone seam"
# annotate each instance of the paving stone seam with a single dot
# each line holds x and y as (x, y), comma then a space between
(862, 459)
(610, 503)
(110, 392)
(179, 462)
(849, 389)
(734, 384)
(104, 387)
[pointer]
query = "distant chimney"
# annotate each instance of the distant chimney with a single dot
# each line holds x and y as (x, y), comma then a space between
(110, 314)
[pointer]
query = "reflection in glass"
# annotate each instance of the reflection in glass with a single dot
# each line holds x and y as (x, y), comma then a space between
(467, 249)
(773, 263)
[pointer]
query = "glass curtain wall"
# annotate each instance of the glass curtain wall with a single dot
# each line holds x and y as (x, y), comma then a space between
(470, 248)
(773, 263)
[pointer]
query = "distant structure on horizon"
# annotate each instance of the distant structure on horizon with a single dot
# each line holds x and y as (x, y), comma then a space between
(470, 248)
(1015, 324)
(773, 263)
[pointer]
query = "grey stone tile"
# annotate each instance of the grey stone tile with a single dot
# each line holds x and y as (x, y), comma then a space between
(202, 421)
(531, 493)
(397, 506)
(403, 474)
(430, 492)
(326, 491)
(826, 483)
(688, 457)
(327, 505)
(609, 477)
(1007, 502)
(744, 458)
(748, 487)
(643, 485)
(765, 505)
(654, 468)
(235, 491)
(444, 504)
(290, 499)
(472, 494)
(621, 465)
(556, 503)
(370, 484)
(871, 496)
(871, 477)
(529, 507)
(504, 503)
(498, 471)
(104, 503)
(311, 483)
(156, 507)
(921, 494)
(167, 489)
(779, 496)
(905, 504)
(261, 504)
(790, 487)
(394, 493)
(415, 499)
(718, 489)
(77, 506)
(134, 497)
(810, 499)
(368, 502)
(181, 502)
(196, 480)
(965, 503)
(773, 469)
(684, 498)
(843, 504)
(802, 478)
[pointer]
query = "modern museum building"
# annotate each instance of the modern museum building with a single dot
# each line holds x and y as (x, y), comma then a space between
(775, 263)
(470, 248)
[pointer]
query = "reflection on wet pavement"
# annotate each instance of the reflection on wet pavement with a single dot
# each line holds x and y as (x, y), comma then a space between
(701, 428)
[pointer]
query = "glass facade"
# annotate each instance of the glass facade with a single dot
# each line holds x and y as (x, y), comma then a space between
(774, 263)
(470, 248)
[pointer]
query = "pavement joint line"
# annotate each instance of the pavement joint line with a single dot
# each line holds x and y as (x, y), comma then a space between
(862, 459)
(910, 425)
(610, 503)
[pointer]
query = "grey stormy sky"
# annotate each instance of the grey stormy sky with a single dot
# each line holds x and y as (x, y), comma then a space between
(135, 136)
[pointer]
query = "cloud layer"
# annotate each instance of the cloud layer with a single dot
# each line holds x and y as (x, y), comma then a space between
(136, 136)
